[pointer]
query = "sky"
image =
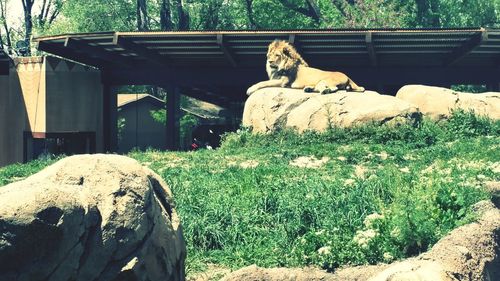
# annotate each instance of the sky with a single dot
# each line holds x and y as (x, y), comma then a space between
(15, 12)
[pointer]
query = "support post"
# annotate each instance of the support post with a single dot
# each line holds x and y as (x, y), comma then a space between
(173, 109)
(494, 87)
(109, 118)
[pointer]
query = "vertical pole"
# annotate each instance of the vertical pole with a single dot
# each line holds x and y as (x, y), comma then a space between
(109, 118)
(173, 108)
(494, 87)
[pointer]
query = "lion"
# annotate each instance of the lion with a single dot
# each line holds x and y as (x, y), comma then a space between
(286, 68)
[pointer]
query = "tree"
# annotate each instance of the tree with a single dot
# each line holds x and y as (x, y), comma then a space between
(28, 22)
(182, 16)
(250, 16)
(49, 11)
(311, 10)
(165, 16)
(142, 16)
(5, 39)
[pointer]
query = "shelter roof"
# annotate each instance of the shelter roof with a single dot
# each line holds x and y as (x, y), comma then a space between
(125, 99)
(342, 47)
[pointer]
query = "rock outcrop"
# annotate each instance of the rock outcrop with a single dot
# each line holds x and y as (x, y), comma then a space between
(437, 103)
(90, 217)
(272, 109)
(468, 253)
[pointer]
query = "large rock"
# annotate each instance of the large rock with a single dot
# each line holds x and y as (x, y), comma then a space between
(437, 103)
(90, 217)
(469, 253)
(271, 109)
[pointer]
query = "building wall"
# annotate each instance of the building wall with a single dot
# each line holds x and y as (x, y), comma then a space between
(47, 95)
(73, 98)
(14, 113)
(141, 130)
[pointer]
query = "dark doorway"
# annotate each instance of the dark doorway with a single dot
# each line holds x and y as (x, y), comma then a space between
(37, 145)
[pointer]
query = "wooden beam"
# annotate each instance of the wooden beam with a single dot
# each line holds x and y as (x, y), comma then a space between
(370, 48)
(229, 56)
(292, 39)
(101, 53)
(467, 48)
(69, 54)
(149, 55)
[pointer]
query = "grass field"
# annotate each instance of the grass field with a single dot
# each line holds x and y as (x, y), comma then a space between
(347, 196)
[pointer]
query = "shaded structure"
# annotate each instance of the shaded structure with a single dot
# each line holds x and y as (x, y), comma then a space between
(218, 66)
(4, 63)
(49, 106)
(138, 129)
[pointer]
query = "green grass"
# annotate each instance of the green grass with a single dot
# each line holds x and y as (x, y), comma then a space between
(384, 193)
(17, 172)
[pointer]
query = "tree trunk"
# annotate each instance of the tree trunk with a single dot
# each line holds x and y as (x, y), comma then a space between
(28, 24)
(183, 16)
(165, 16)
(3, 16)
(250, 19)
(428, 13)
(142, 16)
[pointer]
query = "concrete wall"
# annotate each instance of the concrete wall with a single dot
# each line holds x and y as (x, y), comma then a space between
(140, 129)
(47, 95)
(13, 112)
(73, 98)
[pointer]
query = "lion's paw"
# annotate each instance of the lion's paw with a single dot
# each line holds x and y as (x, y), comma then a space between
(252, 89)
(309, 89)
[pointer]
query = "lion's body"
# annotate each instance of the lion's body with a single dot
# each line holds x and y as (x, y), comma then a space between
(286, 68)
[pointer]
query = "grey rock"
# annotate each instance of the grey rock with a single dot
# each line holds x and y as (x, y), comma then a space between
(437, 103)
(90, 217)
(272, 109)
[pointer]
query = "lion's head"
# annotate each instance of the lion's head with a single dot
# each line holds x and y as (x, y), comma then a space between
(282, 56)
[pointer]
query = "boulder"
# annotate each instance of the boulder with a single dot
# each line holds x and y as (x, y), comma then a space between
(468, 253)
(272, 109)
(90, 217)
(436, 102)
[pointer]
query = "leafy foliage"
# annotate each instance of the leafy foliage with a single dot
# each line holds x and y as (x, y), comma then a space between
(287, 14)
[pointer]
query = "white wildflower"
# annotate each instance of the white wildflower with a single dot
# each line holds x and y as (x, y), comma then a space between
(405, 170)
(326, 250)
(320, 232)
(388, 257)
(396, 232)
(363, 238)
(360, 171)
(349, 181)
(481, 177)
(341, 158)
(383, 155)
(371, 218)
(249, 164)
(495, 167)
(309, 162)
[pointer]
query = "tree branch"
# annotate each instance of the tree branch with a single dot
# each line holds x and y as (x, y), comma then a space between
(312, 10)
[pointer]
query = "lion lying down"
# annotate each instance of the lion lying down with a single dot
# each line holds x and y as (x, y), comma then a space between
(286, 68)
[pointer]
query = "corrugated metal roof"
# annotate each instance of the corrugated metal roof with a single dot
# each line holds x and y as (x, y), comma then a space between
(340, 47)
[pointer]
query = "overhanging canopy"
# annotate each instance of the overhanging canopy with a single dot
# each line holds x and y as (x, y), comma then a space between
(237, 58)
